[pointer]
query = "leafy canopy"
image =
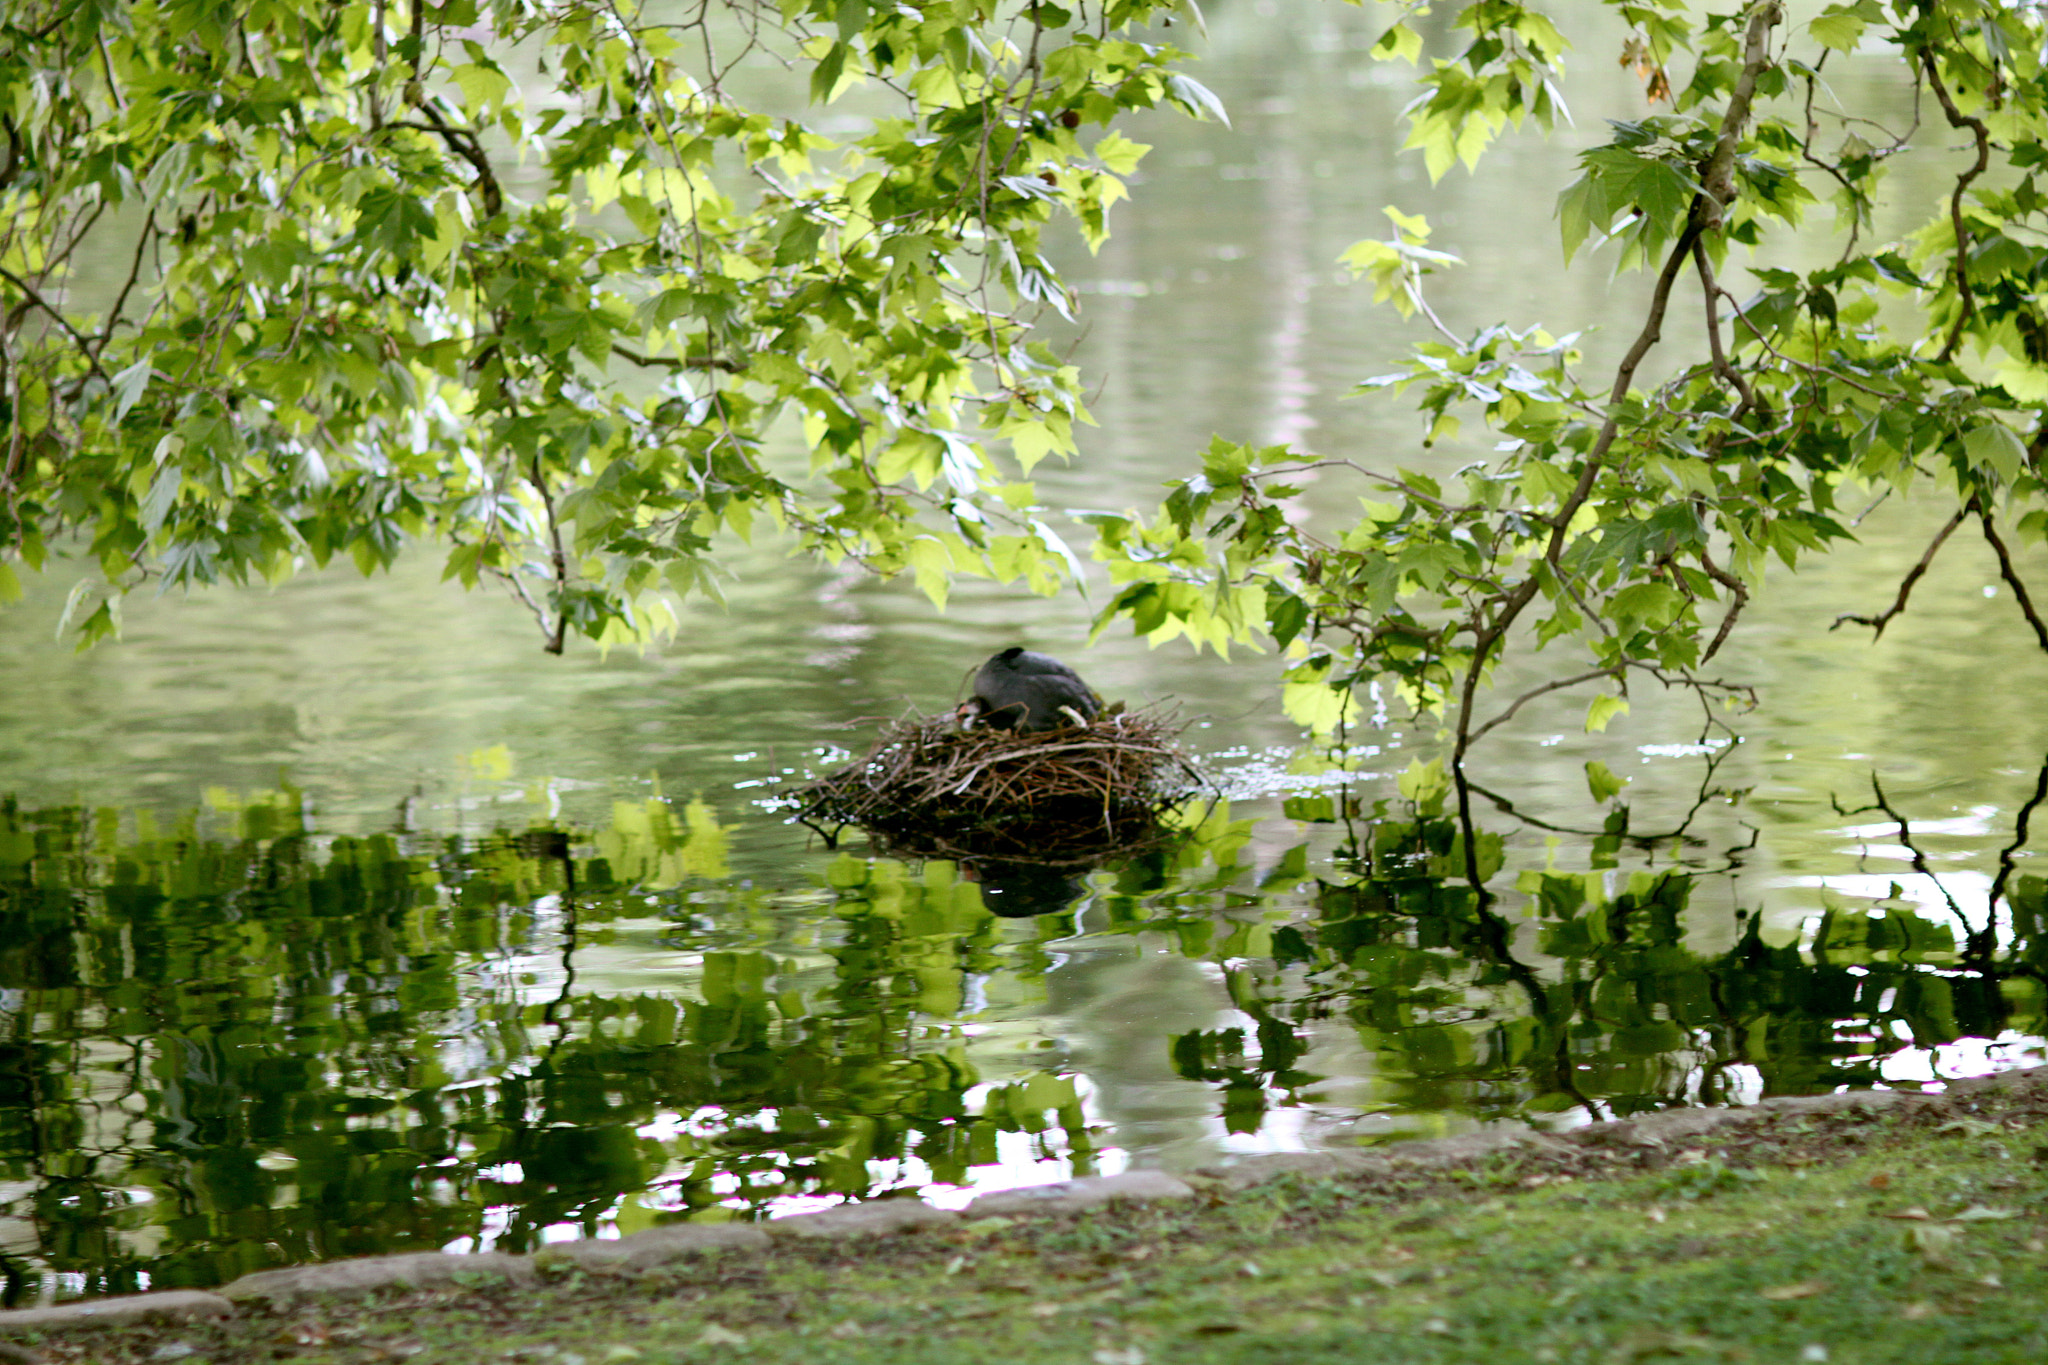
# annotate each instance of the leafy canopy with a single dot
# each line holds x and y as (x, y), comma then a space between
(1627, 520)
(573, 289)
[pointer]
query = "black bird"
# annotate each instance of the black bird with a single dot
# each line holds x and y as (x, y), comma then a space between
(1022, 691)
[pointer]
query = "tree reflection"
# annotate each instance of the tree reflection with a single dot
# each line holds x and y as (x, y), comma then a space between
(1598, 1002)
(232, 1041)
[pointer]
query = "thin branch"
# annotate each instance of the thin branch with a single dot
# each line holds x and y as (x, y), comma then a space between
(1878, 622)
(693, 362)
(464, 144)
(1735, 587)
(559, 560)
(142, 240)
(1556, 685)
(1711, 292)
(1389, 480)
(2019, 837)
(2011, 575)
(78, 338)
(1919, 859)
(1958, 119)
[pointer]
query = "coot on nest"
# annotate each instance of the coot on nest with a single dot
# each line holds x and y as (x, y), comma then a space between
(1025, 691)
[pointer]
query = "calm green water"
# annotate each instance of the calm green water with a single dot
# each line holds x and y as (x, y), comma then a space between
(338, 919)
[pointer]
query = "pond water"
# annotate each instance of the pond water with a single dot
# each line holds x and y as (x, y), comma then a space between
(337, 919)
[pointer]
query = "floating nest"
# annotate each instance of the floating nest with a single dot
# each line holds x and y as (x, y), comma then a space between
(933, 790)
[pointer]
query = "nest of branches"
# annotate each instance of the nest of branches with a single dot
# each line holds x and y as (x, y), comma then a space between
(930, 789)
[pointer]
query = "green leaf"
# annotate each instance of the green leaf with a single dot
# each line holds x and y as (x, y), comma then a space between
(1602, 710)
(1839, 27)
(129, 386)
(1119, 153)
(482, 86)
(825, 77)
(1196, 98)
(1601, 782)
(1426, 784)
(1994, 447)
(1399, 41)
(1286, 615)
(1317, 706)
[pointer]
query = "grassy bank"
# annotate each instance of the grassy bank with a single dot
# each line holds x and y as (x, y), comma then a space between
(1915, 1235)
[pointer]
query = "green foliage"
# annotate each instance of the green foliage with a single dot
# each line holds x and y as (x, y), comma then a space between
(1623, 524)
(570, 290)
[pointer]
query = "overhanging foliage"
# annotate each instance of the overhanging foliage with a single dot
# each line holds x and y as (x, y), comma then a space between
(1630, 519)
(567, 287)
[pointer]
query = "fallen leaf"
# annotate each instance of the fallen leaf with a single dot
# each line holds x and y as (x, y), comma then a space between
(621, 1351)
(1913, 1312)
(1653, 1345)
(1968, 1127)
(1977, 1213)
(1129, 1355)
(1916, 1213)
(1932, 1241)
(1880, 1181)
(714, 1335)
(1804, 1289)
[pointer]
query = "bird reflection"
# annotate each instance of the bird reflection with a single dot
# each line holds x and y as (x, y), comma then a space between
(1017, 890)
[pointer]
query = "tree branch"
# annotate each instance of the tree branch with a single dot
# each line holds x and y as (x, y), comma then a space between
(2011, 575)
(559, 561)
(692, 362)
(1717, 190)
(1556, 685)
(1711, 291)
(1736, 588)
(78, 338)
(1878, 622)
(1958, 119)
(464, 144)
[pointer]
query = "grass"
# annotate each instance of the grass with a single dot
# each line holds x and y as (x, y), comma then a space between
(1911, 1236)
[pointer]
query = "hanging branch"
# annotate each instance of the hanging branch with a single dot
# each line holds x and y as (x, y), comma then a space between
(1977, 129)
(1717, 190)
(559, 562)
(2006, 864)
(1878, 622)
(2008, 573)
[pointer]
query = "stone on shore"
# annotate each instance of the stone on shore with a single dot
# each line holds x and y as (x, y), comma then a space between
(413, 1270)
(656, 1247)
(172, 1305)
(877, 1218)
(1071, 1196)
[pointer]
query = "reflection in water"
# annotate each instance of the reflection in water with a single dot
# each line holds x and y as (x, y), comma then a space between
(1016, 890)
(235, 1041)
